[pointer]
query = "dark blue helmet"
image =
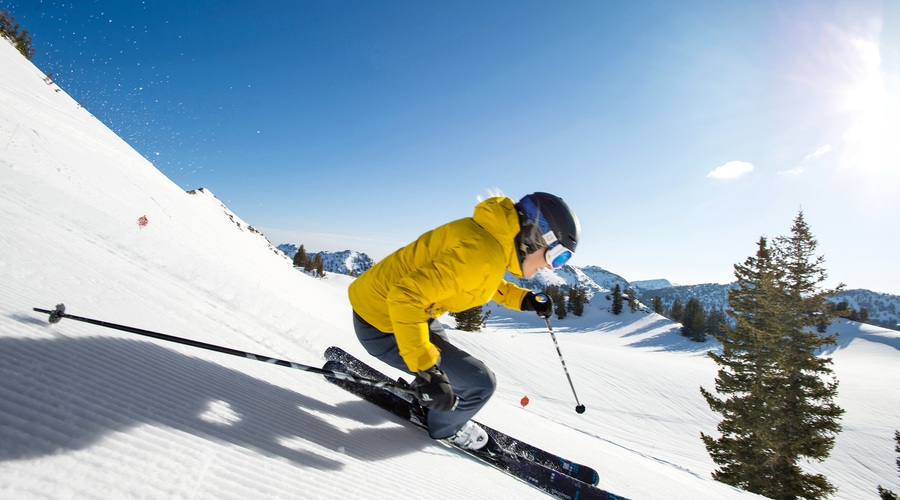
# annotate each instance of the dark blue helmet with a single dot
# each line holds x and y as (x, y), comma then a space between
(547, 221)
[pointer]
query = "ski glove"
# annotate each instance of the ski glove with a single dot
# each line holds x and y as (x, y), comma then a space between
(541, 303)
(434, 391)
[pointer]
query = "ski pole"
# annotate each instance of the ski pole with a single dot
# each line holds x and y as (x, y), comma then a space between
(60, 313)
(579, 408)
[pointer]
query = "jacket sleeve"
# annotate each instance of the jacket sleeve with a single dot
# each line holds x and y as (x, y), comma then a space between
(411, 300)
(510, 296)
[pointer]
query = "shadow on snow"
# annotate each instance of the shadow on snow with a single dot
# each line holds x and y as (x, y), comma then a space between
(68, 393)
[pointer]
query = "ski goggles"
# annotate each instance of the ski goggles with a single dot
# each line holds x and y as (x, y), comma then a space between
(557, 253)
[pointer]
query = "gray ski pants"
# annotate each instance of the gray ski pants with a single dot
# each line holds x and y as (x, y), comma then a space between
(470, 379)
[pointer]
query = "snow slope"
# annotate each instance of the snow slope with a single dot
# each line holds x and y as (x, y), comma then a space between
(89, 412)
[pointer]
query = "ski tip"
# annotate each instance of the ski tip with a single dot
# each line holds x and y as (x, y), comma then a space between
(334, 351)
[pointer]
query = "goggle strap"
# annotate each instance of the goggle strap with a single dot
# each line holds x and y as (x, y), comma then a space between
(550, 238)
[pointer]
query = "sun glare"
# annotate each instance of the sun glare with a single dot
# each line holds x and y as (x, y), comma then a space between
(872, 112)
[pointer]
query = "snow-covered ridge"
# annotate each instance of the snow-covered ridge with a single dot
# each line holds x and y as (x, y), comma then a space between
(349, 262)
(237, 221)
(651, 284)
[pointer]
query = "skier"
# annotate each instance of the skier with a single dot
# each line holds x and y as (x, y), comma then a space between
(457, 266)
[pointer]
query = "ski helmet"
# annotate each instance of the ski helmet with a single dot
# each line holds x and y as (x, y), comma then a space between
(547, 221)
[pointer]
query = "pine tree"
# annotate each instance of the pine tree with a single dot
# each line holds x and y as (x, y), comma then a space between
(715, 322)
(633, 304)
(743, 379)
(677, 312)
(809, 419)
(23, 44)
(694, 322)
(310, 263)
(300, 258)
(617, 300)
(470, 320)
(657, 305)
(559, 300)
(577, 300)
(777, 396)
(9, 28)
(318, 265)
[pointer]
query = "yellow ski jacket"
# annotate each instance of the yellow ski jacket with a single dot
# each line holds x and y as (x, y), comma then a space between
(452, 268)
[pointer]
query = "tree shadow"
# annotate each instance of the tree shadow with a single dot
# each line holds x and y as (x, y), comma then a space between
(848, 331)
(669, 339)
(66, 394)
(649, 327)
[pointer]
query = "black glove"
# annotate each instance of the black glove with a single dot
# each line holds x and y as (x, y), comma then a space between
(434, 390)
(541, 303)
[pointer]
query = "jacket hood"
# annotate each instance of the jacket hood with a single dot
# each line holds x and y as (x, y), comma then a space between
(498, 216)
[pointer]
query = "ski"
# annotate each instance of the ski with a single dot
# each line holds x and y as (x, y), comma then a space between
(527, 451)
(534, 473)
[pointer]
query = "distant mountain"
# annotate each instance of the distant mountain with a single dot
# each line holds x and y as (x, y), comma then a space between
(347, 262)
(605, 279)
(884, 309)
(591, 278)
(651, 284)
(709, 294)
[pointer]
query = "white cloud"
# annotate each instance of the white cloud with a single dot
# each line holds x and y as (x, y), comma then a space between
(731, 170)
(822, 151)
(793, 171)
(819, 152)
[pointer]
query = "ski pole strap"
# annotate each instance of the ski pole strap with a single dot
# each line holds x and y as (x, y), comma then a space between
(60, 312)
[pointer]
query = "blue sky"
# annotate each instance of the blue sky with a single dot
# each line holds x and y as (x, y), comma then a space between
(679, 132)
